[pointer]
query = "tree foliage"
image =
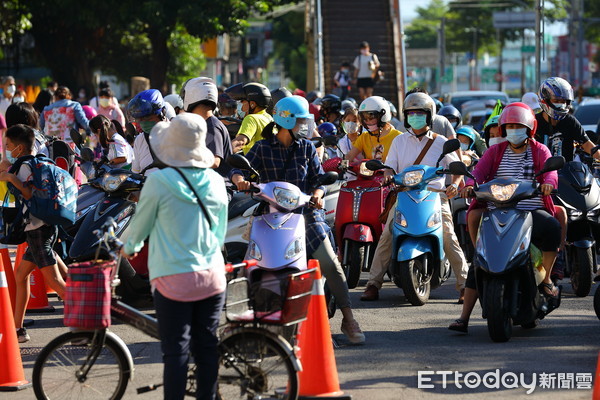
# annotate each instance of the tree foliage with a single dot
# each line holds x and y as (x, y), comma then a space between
(290, 46)
(128, 37)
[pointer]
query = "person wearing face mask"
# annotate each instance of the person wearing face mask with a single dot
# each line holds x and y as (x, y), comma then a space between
(366, 64)
(285, 154)
(147, 108)
(353, 129)
(558, 129)
(64, 114)
(375, 115)
(468, 137)
(9, 88)
(120, 153)
(253, 99)
(492, 133)
(418, 110)
(19, 96)
(342, 80)
(107, 106)
(521, 157)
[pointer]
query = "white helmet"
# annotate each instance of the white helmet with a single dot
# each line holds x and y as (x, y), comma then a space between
(169, 111)
(174, 100)
(199, 89)
(379, 105)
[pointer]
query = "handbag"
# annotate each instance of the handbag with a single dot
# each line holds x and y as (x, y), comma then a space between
(393, 194)
(88, 295)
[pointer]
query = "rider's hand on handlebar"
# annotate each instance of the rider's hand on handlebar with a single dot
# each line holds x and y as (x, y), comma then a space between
(546, 189)
(128, 256)
(317, 202)
(451, 191)
(467, 192)
(243, 185)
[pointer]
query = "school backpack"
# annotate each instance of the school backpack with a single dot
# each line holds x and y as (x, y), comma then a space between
(54, 191)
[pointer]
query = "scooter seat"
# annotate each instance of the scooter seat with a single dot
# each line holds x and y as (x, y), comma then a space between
(239, 203)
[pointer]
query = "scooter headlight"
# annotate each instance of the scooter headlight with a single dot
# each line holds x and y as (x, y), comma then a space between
(294, 248)
(110, 183)
(435, 219)
(412, 178)
(254, 251)
(503, 192)
(400, 220)
(364, 171)
(573, 213)
(286, 199)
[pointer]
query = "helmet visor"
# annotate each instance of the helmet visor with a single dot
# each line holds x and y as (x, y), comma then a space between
(368, 115)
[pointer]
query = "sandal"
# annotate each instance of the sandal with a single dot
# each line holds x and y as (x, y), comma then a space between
(460, 325)
(549, 286)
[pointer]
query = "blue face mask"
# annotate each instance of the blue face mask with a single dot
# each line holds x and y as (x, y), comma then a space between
(465, 146)
(516, 136)
(241, 114)
(417, 121)
(9, 156)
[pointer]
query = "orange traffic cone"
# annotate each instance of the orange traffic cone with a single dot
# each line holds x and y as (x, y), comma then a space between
(38, 298)
(12, 376)
(596, 391)
(10, 275)
(319, 377)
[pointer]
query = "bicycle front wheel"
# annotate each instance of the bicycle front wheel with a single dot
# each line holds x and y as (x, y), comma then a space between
(256, 365)
(58, 371)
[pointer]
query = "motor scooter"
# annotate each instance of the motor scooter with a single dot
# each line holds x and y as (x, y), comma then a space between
(277, 236)
(357, 227)
(507, 280)
(579, 194)
(418, 263)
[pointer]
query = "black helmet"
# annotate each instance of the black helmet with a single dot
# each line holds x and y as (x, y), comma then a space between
(277, 95)
(330, 103)
(253, 91)
(451, 113)
(313, 95)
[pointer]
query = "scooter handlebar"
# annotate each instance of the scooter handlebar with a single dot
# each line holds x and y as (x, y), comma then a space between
(245, 264)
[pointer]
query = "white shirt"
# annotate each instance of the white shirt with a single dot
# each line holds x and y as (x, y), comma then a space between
(4, 104)
(142, 156)
(406, 148)
(118, 147)
(361, 63)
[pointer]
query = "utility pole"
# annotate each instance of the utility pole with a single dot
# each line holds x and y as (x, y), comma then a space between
(538, 42)
(442, 47)
(500, 39)
(580, 52)
(320, 64)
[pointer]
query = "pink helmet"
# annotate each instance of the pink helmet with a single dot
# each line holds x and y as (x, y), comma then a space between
(518, 113)
(89, 111)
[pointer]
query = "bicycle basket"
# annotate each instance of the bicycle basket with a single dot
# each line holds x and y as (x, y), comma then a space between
(88, 295)
(280, 301)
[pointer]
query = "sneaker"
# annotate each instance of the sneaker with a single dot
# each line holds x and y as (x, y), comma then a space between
(23, 336)
(353, 332)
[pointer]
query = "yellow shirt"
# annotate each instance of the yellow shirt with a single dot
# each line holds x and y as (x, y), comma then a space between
(252, 127)
(372, 148)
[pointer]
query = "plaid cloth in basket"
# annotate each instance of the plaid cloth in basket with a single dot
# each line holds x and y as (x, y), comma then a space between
(88, 295)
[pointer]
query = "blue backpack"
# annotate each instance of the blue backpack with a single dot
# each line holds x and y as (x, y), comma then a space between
(54, 198)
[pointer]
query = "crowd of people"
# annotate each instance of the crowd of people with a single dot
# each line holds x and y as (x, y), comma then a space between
(181, 143)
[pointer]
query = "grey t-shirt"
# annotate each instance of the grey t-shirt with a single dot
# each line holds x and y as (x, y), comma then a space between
(219, 142)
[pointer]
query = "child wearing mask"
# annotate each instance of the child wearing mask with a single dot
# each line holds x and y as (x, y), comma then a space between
(342, 80)
(352, 127)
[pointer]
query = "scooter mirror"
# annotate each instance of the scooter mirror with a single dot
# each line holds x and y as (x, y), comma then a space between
(330, 141)
(458, 168)
(552, 164)
(374, 165)
(317, 141)
(87, 154)
(451, 146)
(328, 178)
(76, 137)
(239, 161)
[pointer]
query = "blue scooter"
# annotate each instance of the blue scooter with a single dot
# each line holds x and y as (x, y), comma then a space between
(418, 263)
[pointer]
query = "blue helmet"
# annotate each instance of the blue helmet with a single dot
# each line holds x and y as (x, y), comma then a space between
(289, 109)
(468, 131)
(146, 103)
(327, 129)
(556, 88)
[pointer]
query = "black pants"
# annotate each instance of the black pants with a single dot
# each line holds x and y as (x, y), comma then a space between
(545, 235)
(184, 328)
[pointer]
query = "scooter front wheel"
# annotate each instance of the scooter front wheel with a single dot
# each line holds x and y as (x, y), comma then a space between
(415, 283)
(496, 305)
(357, 252)
(581, 274)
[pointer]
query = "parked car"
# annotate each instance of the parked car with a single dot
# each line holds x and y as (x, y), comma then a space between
(588, 114)
(457, 99)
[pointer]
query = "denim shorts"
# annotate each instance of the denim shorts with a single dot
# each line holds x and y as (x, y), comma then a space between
(40, 244)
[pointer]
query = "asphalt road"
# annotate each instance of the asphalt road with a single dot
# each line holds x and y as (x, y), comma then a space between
(402, 340)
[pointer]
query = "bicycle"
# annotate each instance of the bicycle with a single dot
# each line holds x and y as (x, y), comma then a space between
(255, 363)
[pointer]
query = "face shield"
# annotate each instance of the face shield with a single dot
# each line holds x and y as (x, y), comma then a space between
(304, 128)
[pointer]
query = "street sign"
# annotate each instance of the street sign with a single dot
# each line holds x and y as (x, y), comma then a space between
(514, 20)
(488, 75)
(527, 49)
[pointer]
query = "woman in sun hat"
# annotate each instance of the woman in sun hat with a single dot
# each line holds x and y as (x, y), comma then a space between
(183, 209)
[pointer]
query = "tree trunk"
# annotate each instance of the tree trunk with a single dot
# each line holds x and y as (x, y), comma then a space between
(160, 60)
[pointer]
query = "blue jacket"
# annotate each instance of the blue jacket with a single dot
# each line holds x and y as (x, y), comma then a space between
(59, 117)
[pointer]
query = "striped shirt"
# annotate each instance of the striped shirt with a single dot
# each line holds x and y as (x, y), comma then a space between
(519, 166)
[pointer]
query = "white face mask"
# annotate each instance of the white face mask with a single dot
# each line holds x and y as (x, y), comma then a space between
(350, 127)
(497, 140)
(11, 89)
(18, 99)
(104, 102)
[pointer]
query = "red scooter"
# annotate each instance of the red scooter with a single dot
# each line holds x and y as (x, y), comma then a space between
(357, 225)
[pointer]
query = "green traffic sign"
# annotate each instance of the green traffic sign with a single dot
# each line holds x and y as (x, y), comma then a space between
(527, 49)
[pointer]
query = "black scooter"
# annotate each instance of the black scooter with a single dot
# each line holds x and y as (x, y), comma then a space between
(505, 276)
(459, 207)
(579, 193)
